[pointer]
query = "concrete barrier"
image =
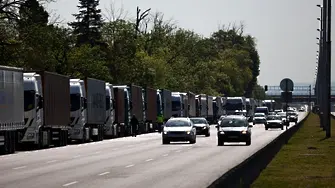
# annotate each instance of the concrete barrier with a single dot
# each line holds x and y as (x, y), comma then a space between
(244, 174)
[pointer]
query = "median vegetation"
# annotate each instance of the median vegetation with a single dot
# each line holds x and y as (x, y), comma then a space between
(306, 161)
(148, 51)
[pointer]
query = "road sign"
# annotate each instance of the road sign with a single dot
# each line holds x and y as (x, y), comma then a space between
(286, 85)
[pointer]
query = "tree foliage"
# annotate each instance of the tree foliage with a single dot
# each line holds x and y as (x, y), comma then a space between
(149, 51)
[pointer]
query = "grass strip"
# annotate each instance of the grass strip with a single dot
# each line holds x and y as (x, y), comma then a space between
(308, 160)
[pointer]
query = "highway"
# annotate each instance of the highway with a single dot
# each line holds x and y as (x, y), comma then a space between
(140, 161)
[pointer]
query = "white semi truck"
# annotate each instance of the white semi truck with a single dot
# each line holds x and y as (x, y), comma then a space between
(88, 109)
(46, 109)
(11, 107)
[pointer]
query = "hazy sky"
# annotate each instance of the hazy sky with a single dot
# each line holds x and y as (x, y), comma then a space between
(285, 29)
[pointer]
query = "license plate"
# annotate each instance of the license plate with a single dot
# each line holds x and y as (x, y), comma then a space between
(233, 137)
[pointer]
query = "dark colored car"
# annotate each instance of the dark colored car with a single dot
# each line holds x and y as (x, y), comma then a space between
(292, 117)
(201, 125)
(234, 129)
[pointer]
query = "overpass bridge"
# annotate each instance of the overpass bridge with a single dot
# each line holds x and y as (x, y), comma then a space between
(300, 94)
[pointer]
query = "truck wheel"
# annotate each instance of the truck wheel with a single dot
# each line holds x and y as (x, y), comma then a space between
(102, 132)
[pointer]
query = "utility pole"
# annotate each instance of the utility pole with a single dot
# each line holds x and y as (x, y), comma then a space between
(328, 69)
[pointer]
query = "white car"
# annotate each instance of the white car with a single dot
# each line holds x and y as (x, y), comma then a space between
(259, 118)
(274, 121)
(179, 129)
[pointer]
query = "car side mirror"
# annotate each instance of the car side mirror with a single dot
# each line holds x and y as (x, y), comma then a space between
(250, 126)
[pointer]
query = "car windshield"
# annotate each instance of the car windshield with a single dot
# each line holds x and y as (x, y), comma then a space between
(273, 118)
(198, 121)
(291, 113)
(233, 123)
(282, 114)
(177, 123)
(259, 115)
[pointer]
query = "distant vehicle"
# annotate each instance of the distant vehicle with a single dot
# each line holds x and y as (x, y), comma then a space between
(201, 125)
(274, 121)
(292, 117)
(259, 118)
(179, 129)
(302, 109)
(279, 110)
(262, 109)
(234, 129)
(283, 116)
(272, 113)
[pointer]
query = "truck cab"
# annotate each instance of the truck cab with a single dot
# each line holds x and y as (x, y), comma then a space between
(33, 108)
(177, 105)
(160, 113)
(110, 127)
(128, 107)
(78, 110)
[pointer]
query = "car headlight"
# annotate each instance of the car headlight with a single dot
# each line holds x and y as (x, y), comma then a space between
(221, 132)
(244, 132)
(165, 132)
(205, 127)
(188, 132)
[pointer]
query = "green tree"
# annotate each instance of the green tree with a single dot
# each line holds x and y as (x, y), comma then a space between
(89, 22)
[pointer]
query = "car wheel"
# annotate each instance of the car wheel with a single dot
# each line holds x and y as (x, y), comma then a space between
(266, 128)
(208, 134)
(248, 142)
(166, 141)
(254, 123)
(193, 141)
(220, 142)
(282, 127)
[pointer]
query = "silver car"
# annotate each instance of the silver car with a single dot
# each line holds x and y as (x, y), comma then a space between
(179, 129)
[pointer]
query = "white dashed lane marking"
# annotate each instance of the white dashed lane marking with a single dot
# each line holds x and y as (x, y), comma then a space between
(20, 167)
(149, 160)
(104, 173)
(51, 161)
(71, 183)
(165, 155)
(130, 166)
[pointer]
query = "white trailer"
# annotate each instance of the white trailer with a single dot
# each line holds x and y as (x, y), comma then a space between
(11, 107)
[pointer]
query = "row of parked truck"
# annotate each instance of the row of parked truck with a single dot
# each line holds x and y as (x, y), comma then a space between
(40, 108)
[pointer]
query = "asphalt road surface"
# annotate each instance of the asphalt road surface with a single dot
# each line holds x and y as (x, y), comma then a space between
(137, 162)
